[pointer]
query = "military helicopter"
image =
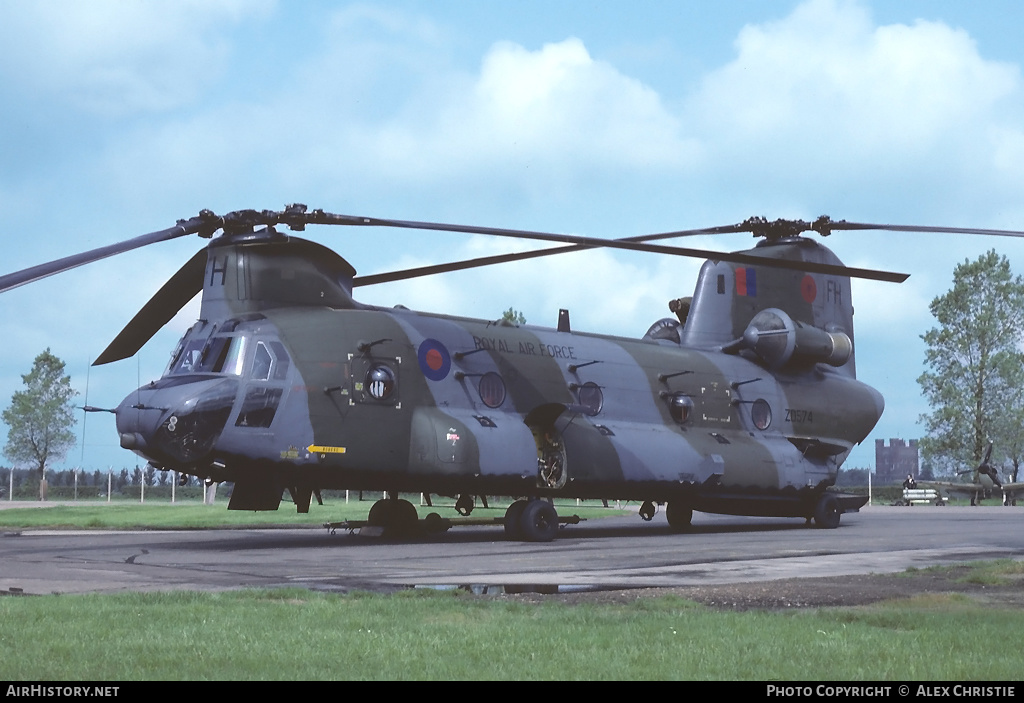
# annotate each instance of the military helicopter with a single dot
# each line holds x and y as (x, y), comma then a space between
(984, 480)
(746, 402)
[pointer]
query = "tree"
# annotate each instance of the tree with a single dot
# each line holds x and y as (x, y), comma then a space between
(40, 418)
(974, 365)
(514, 316)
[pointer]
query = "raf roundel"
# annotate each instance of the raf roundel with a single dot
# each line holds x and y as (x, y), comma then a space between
(435, 361)
(808, 288)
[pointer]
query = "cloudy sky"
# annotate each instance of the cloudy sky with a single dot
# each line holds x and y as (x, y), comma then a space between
(608, 119)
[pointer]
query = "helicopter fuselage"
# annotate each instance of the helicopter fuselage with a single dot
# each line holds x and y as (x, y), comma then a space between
(395, 400)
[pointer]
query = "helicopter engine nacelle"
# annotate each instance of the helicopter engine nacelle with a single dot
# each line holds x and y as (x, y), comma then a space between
(777, 339)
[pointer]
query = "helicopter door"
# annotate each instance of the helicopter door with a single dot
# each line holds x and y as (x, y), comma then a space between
(263, 394)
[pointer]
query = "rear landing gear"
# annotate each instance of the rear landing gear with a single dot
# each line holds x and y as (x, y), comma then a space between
(533, 521)
(396, 516)
(679, 515)
(827, 512)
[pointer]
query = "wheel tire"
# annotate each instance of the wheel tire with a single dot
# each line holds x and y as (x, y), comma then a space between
(435, 524)
(380, 514)
(398, 517)
(679, 515)
(539, 521)
(404, 518)
(513, 520)
(827, 512)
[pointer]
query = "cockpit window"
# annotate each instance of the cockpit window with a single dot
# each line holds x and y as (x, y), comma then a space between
(216, 355)
(270, 361)
(281, 355)
(261, 363)
(234, 360)
(188, 360)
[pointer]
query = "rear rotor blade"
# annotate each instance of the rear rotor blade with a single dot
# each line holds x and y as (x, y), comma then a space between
(172, 297)
(320, 217)
(842, 225)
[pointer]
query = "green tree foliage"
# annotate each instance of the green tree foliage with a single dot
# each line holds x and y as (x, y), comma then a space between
(40, 417)
(514, 316)
(974, 366)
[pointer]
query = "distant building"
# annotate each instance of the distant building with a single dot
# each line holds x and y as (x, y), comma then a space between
(894, 462)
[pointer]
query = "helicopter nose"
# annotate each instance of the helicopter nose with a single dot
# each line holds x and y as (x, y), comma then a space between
(173, 423)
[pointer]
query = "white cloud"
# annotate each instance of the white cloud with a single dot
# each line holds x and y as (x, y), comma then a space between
(111, 57)
(553, 108)
(824, 100)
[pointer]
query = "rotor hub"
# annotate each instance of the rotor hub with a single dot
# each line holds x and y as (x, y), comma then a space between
(787, 229)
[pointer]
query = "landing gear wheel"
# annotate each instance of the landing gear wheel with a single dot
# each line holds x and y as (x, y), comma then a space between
(513, 518)
(380, 514)
(827, 512)
(539, 521)
(398, 516)
(435, 524)
(464, 505)
(679, 515)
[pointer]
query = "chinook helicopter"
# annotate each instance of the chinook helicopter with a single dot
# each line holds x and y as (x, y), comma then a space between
(745, 402)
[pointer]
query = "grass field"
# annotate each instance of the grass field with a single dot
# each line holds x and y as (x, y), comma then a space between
(193, 514)
(301, 635)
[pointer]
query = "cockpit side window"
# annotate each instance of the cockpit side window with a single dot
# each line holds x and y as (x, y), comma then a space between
(283, 360)
(261, 363)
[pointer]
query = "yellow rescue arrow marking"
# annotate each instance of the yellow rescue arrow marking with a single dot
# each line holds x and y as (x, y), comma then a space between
(317, 449)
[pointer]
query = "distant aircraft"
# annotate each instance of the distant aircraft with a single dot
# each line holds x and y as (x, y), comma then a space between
(984, 481)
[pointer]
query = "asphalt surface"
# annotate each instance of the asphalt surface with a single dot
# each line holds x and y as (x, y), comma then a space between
(611, 553)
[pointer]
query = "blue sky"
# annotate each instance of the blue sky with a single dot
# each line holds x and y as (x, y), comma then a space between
(607, 119)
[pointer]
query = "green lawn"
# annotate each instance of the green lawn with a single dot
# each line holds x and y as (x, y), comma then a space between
(193, 514)
(301, 635)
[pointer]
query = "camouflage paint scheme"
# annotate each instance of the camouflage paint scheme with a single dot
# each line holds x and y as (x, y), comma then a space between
(287, 382)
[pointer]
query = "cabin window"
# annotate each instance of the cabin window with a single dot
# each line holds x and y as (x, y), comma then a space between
(761, 414)
(680, 407)
(591, 397)
(492, 389)
(380, 382)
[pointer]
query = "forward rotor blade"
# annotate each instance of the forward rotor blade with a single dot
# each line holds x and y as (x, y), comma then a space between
(205, 222)
(172, 297)
(406, 274)
(320, 217)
